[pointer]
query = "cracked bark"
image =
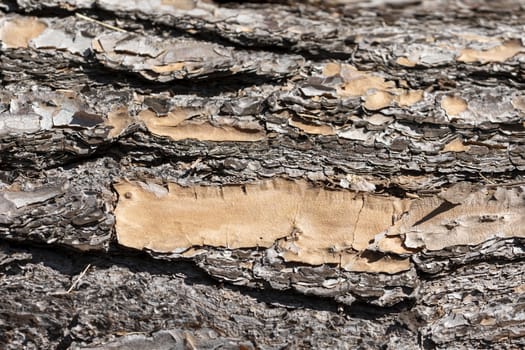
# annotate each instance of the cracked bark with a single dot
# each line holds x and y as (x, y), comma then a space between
(190, 174)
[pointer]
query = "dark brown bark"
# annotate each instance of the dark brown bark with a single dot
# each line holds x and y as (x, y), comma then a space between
(189, 174)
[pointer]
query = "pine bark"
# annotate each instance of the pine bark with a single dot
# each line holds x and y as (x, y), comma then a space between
(321, 174)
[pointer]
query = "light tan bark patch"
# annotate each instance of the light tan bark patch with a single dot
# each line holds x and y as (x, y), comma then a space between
(310, 128)
(378, 100)
(177, 126)
(488, 321)
(453, 105)
(455, 145)
(377, 92)
(499, 53)
(168, 68)
(180, 4)
(385, 264)
(97, 46)
(331, 69)
(205, 131)
(312, 225)
(405, 62)
(118, 119)
(17, 32)
(358, 83)
(393, 245)
(407, 98)
(520, 289)
(174, 117)
(476, 216)
(518, 102)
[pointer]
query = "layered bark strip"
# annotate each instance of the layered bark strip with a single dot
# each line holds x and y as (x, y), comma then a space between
(355, 166)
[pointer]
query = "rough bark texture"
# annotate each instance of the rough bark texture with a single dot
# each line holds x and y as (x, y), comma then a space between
(179, 174)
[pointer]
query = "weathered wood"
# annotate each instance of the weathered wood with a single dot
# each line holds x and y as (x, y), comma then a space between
(352, 171)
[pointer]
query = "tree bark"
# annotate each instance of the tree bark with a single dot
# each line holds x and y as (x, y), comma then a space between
(191, 174)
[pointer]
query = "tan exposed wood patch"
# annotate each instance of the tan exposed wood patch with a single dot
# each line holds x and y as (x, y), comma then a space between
(476, 215)
(489, 321)
(393, 245)
(331, 69)
(405, 62)
(378, 100)
(358, 83)
(180, 4)
(118, 119)
(453, 105)
(499, 53)
(518, 102)
(177, 126)
(172, 119)
(206, 132)
(455, 145)
(17, 32)
(96, 45)
(311, 128)
(312, 225)
(407, 98)
(377, 92)
(348, 261)
(520, 289)
(168, 68)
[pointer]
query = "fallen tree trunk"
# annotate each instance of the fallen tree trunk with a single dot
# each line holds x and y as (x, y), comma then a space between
(185, 174)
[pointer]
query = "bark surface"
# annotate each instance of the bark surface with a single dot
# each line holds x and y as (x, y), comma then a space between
(180, 174)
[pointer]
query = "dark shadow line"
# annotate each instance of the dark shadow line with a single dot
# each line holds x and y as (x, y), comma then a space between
(69, 261)
(445, 206)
